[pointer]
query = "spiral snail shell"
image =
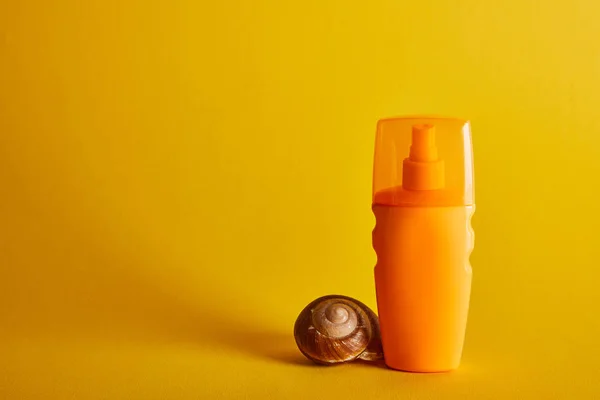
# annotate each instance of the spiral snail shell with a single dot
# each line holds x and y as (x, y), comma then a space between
(334, 329)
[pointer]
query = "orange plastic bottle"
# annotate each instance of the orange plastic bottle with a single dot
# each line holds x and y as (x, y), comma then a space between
(423, 204)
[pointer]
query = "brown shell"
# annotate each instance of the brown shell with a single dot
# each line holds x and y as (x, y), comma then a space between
(323, 347)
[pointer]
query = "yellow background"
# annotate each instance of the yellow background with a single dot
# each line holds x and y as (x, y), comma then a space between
(178, 179)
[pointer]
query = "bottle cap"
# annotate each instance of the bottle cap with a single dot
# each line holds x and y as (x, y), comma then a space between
(423, 161)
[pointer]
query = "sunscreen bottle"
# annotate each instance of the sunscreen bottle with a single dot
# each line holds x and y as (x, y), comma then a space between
(423, 203)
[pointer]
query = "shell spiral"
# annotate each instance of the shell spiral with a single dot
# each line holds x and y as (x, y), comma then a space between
(334, 329)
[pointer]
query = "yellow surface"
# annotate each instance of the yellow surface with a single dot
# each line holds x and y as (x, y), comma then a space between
(178, 179)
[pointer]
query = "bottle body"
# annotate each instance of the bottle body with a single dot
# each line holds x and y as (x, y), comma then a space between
(423, 284)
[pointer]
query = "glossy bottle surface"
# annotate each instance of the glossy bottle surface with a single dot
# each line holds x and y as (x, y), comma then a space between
(423, 284)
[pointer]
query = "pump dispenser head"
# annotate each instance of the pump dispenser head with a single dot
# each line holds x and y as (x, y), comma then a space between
(423, 170)
(423, 161)
(423, 147)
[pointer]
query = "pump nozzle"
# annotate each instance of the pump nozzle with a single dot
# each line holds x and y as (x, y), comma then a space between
(423, 170)
(423, 144)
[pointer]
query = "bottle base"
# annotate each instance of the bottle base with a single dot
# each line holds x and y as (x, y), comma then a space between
(422, 370)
